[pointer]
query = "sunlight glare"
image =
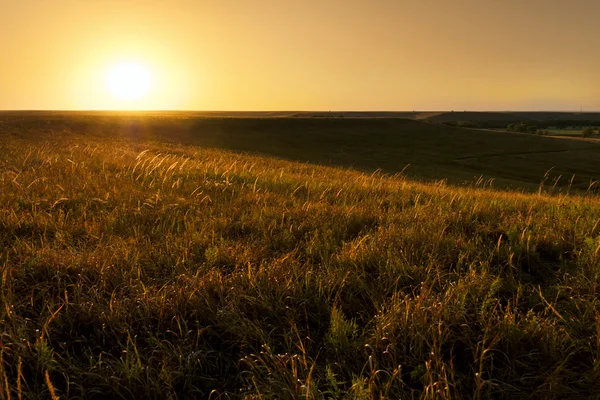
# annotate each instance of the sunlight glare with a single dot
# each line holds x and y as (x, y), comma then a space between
(128, 80)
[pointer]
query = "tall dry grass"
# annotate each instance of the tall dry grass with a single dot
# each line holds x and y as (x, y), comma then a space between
(149, 270)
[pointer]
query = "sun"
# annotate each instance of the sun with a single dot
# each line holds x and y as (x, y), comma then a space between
(128, 80)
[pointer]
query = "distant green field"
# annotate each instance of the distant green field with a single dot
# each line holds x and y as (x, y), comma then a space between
(571, 132)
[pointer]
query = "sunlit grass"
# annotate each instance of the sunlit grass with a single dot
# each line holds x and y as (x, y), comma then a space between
(142, 269)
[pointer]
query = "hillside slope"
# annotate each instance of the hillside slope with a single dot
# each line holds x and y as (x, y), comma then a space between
(422, 150)
(137, 269)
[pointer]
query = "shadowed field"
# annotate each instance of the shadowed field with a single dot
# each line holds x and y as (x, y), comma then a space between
(132, 267)
(424, 151)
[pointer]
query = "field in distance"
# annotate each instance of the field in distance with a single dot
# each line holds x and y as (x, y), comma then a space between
(421, 150)
(136, 264)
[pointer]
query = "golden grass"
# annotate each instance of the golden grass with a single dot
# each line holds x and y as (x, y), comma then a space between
(153, 270)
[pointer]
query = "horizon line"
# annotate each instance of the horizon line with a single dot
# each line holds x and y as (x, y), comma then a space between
(298, 111)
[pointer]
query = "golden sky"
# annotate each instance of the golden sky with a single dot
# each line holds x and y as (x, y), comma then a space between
(303, 55)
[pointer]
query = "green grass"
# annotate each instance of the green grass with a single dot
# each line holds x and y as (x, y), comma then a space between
(570, 132)
(137, 268)
(565, 132)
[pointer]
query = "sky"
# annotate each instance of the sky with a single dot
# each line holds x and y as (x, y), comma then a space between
(301, 55)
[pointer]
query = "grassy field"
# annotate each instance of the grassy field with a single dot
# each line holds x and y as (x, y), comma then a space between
(424, 151)
(570, 132)
(132, 266)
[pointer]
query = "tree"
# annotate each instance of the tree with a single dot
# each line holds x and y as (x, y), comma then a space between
(522, 127)
(586, 132)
